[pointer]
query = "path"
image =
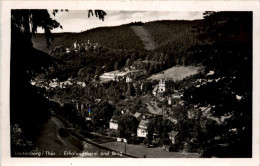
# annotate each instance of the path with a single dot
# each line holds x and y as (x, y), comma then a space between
(145, 37)
(141, 151)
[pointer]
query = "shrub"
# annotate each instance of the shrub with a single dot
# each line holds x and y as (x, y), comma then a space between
(64, 133)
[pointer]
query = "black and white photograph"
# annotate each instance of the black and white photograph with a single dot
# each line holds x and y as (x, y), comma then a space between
(102, 83)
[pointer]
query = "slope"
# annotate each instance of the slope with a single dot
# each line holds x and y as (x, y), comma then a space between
(144, 35)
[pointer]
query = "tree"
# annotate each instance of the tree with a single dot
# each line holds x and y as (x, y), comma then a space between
(130, 90)
(127, 125)
(102, 114)
(226, 49)
(28, 106)
(150, 131)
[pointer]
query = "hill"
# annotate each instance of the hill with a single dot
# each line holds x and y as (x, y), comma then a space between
(163, 44)
(120, 37)
(163, 33)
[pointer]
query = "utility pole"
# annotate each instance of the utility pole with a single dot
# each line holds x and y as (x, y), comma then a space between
(125, 147)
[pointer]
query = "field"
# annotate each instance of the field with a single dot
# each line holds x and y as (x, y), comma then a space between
(176, 73)
(142, 150)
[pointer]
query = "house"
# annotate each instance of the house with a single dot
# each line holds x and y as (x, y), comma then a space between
(142, 86)
(126, 111)
(67, 50)
(128, 79)
(172, 136)
(82, 84)
(162, 86)
(88, 119)
(177, 95)
(76, 45)
(54, 83)
(112, 76)
(155, 91)
(169, 101)
(138, 116)
(142, 128)
(113, 123)
(165, 85)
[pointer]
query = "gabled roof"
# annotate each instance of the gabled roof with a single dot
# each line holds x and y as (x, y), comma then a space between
(114, 118)
(143, 123)
(173, 133)
(137, 115)
(155, 89)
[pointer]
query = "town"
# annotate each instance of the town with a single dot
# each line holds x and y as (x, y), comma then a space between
(126, 106)
(157, 89)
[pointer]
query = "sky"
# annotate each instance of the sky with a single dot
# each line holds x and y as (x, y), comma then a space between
(78, 20)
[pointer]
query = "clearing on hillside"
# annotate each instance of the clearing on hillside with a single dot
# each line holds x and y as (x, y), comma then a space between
(176, 73)
(144, 36)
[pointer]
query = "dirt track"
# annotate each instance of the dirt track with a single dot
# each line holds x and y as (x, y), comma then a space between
(50, 140)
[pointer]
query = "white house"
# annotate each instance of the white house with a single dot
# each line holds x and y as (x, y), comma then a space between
(67, 50)
(138, 115)
(172, 136)
(113, 75)
(83, 84)
(162, 87)
(155, 91)
(142, 128)
(128, 79)
(113, 123)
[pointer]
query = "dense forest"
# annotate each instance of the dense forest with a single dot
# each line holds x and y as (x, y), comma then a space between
(119, 37)
(120, 47)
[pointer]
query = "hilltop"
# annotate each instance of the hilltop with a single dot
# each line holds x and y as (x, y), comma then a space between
(162, 33)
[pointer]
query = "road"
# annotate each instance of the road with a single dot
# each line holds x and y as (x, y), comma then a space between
(51, 144)
(50, 141)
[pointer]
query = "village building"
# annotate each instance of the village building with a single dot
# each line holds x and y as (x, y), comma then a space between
(67, 50)
(165, 85)
(173, 136)
(155, 90)
(113, 123)
(76, 46)
(177, 95)
(129, 79)
(82, 84)
(162, 86)
(54, 83)
(65, 83)
(175, 98)
(113, 76)
(138, 116)
(142, 128)
(142, 86)
(88, 118)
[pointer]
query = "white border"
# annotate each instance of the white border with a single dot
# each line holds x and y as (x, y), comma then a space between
(125, 5)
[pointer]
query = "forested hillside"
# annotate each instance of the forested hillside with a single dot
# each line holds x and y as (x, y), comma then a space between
(164, 33)
(120, 37)
(120, 47)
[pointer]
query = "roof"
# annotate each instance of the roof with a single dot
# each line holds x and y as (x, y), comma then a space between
(137, 115)
(173, 133)
(165, 79)
(114, 118)
(143, 123)
(155, 89)
(116, 72)
(128, 112)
